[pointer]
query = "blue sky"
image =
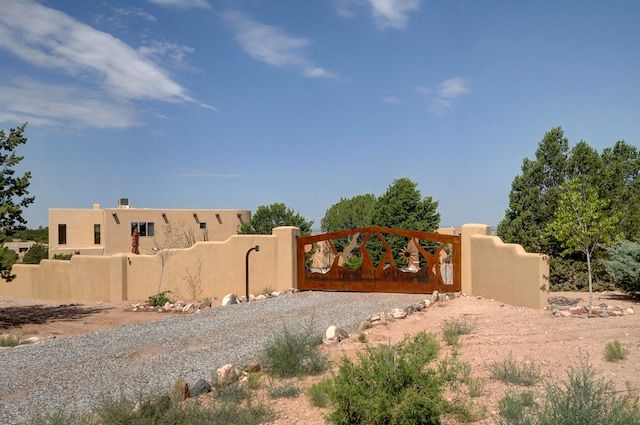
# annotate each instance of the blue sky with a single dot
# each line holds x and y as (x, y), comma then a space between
(237, 104)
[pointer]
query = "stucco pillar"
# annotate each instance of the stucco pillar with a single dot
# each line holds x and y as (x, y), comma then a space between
(118, 277)
(469, 230)
(286, 256)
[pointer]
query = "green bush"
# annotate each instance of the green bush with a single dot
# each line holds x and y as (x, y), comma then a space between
(318, 393)
(526, 374)
(581, 399)
(62, 256)
(159, 299)
(12, 341)
(460, 327)
(36, 253)
(615, 351)
(390, 385)
(352, 263)
(292, 354)
(284, 390)
(624, 266)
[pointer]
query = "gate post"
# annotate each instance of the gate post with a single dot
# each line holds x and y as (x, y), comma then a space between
(286, 255)
(469, 230)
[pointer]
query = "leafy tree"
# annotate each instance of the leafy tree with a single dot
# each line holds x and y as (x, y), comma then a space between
(581, 222)
(40, 235)
(624, 266)
(402, 207)
(348, 214)
(266, 218)
(13, 193)
(35, 254)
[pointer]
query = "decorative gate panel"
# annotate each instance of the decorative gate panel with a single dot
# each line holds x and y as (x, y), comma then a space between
(378, 259)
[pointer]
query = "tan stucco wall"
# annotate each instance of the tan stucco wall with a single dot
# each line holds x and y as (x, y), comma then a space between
(506, 272)
(135, 277)
(115, 224)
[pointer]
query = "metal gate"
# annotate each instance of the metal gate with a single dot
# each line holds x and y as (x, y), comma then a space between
(423, 262)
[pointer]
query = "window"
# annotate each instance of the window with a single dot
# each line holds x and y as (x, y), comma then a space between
(203, 225)
(146, 229)
(62, 234)
(96, 234)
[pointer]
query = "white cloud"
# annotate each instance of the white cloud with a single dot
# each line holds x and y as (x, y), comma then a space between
(393, 13)
(176, 53)
(343, 7)
(453, 87)
(50, 104)
(442, 96)
(183, 4)
(49, 39)
(391, 100)
(271, 45)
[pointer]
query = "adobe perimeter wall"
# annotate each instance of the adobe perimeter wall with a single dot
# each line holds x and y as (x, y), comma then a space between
(506, 272)
(220, 265)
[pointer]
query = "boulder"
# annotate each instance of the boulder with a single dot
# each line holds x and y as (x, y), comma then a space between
(229, 299)
(202, 386)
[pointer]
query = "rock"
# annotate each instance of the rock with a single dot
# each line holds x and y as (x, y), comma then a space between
(434, 297)
(261, 297)
(426, 304)
(180, 390)
(202, 386)
(252, 367)
(398, 313)
(604, 314)
(229, 299)
(564, 313)
(330, 333)
(378, 319)
(188, 308)
(342, 334)
(226, 374)
(364, 325)
(167, 306)
(242, 299)
(629, 310)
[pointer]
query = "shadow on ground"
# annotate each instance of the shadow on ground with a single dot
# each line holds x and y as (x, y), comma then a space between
(15, 317)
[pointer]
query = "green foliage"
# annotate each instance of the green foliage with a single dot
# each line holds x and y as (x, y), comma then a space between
(535, 198)
(348, 214)
(615, 351)
(36, 253)
(8, 258)
(39, 235)
(159, 299)
(362, 337)
(581, 399)
(12, 341)
(352, 263)
(527, 374)
(318, 393)
(266, 218)
(623, 266)
(65, 257)
(460, 327)
(451, 337)
(293, 353)
(475, 387)
(402, 207)
(390, 385)
(13, 195)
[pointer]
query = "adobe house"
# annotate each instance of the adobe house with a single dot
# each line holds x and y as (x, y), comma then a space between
(109, 231)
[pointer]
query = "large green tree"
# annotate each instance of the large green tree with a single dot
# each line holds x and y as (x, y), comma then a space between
(348, 214)
(581, 222)
(535, 198)
(267, 217)
(13, 193)
(402, 207)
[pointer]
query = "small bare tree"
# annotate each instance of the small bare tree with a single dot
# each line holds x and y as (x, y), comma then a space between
(167, 247)
(194, 284)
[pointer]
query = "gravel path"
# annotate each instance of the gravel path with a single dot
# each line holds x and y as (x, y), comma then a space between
(74, 371)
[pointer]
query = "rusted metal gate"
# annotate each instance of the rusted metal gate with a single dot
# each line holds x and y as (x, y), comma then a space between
(431, 261)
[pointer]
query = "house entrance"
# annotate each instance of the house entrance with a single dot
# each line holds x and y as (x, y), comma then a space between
(379, 259)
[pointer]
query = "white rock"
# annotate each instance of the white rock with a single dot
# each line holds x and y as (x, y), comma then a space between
(226, 374)
(331, 332)
(229, 299)
(187, 308)
(398, 313)
(629, 310)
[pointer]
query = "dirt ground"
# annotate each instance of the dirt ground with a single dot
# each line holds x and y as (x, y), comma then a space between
(537, 336)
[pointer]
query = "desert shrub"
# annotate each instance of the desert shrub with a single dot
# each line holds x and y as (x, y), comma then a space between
(58, 416)
(352, 263)
(318, 393)
(390, 385)
(509, 371)
(159, 299)
(293, 353)
(459, 327)
(475, 387)
(36, 253)
(580, 399)
(624, 266)
(62, 256)
(362, 337)
(451, 337)
(12, 341)
(615, 351)
(284, 390)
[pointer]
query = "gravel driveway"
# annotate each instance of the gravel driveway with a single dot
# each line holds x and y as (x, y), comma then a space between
(74, 371)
